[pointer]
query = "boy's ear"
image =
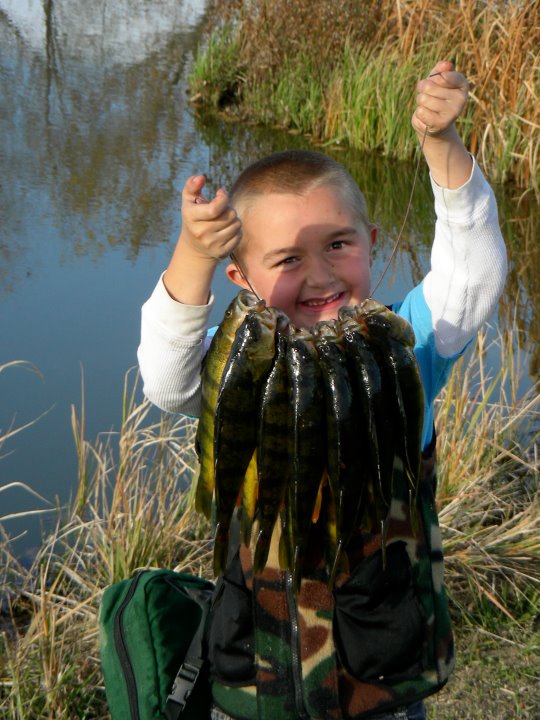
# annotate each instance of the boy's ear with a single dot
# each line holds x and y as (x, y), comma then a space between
(234, 274)
(373, 229)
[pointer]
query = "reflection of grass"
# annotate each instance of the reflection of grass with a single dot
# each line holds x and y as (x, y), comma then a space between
(132, 510)
(347, 72)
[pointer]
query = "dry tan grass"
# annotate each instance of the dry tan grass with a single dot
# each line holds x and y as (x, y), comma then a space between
(132, 510)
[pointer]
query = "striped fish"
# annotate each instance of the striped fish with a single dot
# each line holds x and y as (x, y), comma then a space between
(213, 366)
(238, 402)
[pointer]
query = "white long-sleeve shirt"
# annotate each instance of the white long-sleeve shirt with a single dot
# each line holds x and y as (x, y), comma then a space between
(467, 275)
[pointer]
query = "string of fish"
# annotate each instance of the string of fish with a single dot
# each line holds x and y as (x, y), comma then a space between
(287, 413)
(306, 425)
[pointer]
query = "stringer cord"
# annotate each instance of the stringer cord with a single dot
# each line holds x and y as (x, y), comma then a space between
(409, 204)
(396, 245)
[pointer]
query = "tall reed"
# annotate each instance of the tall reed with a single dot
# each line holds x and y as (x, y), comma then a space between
(489, 481)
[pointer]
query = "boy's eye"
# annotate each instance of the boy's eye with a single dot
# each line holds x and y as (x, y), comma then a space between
(337, 244)
(288, 260)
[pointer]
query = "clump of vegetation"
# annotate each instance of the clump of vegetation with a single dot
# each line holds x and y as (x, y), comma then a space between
(345, 72)
(133, 509)
(489, 484)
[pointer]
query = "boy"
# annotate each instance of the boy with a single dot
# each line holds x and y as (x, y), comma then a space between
(298, 228)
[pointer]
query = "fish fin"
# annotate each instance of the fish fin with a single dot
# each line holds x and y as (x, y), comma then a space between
(318, 502)
(249, 499)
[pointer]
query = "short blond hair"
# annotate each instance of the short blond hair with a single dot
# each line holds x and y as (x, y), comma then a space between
(297, 172)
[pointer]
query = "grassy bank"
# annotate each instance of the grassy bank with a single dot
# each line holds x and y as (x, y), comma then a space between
(346, 72)
(135, 481)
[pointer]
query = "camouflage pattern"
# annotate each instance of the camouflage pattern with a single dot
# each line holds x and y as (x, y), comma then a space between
(300, 671)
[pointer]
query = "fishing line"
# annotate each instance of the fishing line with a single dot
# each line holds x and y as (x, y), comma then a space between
(232, 256)
(409, 204)
(400, 233)
(244, 276)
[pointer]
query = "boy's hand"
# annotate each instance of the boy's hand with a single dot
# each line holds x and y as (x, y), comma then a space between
(440, 100)
(210, 229)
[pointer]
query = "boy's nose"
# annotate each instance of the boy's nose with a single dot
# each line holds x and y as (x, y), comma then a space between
(320, 273)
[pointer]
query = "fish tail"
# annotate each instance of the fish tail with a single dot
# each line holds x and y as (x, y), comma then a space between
(221, 547)
(384, 540)
(262, 549)
(337, 564)
(413, 509)
(284, 553)
(296, 569)
(203, 496)
(246, 526)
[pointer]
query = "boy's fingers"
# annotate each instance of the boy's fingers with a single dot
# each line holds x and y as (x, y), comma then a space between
(442, 66)
(219, 204)
(192, 191)
(448, 80)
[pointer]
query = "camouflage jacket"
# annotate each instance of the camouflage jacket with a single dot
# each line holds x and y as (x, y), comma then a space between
(381, 639)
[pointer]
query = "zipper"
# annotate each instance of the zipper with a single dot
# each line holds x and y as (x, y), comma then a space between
(121, 649)
(295, 648)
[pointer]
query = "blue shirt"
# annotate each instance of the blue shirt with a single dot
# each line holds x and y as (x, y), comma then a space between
(434, 368)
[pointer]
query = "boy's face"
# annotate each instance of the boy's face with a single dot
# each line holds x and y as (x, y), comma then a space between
(305, 254)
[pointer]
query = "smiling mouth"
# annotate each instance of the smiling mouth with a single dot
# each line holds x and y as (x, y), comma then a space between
(321, 302)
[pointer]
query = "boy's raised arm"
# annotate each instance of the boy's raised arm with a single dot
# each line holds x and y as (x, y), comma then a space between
(210, 232)
(440, 99)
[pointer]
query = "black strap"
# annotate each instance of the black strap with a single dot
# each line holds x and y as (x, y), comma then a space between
(189, 670)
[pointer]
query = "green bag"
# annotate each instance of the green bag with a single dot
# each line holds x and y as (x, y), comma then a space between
(152, 629)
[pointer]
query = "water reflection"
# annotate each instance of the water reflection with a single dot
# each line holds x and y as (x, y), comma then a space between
(86, 120)
(95, 138)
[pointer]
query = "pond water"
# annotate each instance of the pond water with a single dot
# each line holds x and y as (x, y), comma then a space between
(97, 140)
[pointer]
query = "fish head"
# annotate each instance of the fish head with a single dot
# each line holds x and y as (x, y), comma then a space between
(233, 316)
(346, 313)
(326, 329)
(259, 333)
(383, 321)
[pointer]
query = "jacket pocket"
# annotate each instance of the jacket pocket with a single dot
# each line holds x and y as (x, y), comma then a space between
(379, 627)
(231, 639)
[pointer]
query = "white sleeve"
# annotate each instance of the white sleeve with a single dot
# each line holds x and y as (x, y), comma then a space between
(171, 350)
(468, 262)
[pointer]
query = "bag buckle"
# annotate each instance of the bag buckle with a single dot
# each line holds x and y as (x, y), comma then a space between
(184, 683)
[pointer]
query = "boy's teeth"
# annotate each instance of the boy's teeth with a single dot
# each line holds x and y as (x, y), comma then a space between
(315, 303)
